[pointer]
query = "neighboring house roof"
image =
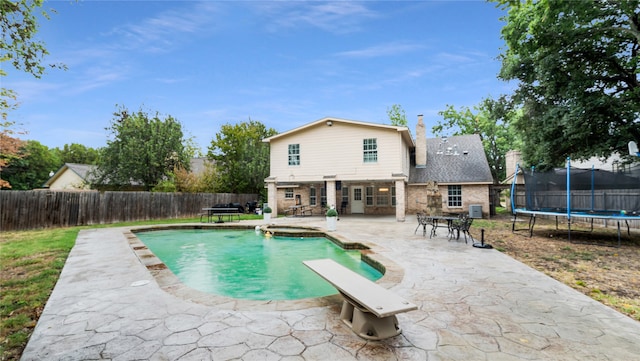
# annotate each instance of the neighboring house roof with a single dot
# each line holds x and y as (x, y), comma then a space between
(612, 163)
(83, 170)
(406, 134)
(458, 161)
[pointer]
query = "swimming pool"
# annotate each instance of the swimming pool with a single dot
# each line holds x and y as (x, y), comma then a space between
(245, 264)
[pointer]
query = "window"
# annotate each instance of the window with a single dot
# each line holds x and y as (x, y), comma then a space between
(454, 194)
(393, 196)
(382, 198)
(369, 196)
(294, 154)
(370, 150)
(288, 193)
(312, 196)
(323, 197)
(345, 194)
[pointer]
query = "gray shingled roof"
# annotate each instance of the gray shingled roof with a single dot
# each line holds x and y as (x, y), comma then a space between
(469, 166)
(81, 170)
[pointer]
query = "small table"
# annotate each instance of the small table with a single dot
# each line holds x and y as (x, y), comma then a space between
(435, 224)
(434, 221)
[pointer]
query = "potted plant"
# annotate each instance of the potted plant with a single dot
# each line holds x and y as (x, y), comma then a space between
(266, 213)
(332, 218)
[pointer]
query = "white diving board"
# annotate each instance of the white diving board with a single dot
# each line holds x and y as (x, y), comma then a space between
(369, 309)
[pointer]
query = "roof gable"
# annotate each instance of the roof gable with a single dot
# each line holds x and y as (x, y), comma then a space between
(81, 170)
(404, 131)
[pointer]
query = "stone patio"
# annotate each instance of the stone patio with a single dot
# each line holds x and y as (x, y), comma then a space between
(473, 304)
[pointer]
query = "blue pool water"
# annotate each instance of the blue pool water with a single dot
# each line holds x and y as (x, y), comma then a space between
(247, 265)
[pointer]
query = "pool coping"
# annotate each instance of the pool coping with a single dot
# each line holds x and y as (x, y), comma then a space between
(171, 284)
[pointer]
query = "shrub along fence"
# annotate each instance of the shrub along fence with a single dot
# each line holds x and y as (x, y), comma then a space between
(21, 210)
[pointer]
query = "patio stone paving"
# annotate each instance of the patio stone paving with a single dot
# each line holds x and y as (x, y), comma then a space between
(473, 304)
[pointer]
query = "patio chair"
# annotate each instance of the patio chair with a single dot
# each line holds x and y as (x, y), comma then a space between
(423, 220)
(461, 225)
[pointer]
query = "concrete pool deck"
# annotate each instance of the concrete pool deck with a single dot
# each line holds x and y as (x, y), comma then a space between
(473, 304)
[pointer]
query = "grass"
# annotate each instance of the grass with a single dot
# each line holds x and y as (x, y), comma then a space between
(628, 306)
(30, 264)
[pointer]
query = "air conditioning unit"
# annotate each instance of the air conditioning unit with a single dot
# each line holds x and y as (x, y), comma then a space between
(475, 211)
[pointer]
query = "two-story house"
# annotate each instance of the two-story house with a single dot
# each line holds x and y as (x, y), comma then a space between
(367, 168)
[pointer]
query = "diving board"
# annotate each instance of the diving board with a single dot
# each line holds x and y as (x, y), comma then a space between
(368, 308)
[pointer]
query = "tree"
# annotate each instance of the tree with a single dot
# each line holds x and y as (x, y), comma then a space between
(190, 182)
(19, 24)
(492, 122)
(78, 153)
(9, 149)
(241, 158)
(143, 150)
(32, 169)
(397, 115)
(576, 63)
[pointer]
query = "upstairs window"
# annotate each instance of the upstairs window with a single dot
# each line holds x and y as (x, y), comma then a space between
(370, 150)
(294, 154)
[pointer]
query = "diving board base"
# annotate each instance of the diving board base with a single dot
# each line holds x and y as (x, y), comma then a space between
(368, 308)
(367, 325)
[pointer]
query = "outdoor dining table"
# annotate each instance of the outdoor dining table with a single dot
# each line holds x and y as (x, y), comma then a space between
(435, 222)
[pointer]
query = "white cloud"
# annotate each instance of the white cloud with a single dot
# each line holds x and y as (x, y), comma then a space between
(160, 32)
(389, 49)
(335, 16)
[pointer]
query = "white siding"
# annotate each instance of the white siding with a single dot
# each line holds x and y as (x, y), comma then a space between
(68, 180)
(337, 150)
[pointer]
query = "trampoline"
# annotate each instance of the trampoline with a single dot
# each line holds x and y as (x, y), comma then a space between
(577, 193)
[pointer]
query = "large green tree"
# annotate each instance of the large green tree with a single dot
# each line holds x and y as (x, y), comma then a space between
(241, 158)
(143, 150)
(576, 67)
(78, 153)
(491, 120)
(34, 166)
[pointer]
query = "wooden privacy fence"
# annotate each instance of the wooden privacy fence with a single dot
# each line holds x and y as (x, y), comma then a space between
(21, 210)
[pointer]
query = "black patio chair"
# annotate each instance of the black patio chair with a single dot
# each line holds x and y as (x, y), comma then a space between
(461, 225)
(423, 220)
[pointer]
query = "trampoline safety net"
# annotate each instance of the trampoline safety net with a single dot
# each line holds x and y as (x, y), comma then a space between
(591, 191)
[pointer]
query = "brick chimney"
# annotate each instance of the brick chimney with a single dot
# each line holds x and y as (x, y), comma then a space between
(421, 144)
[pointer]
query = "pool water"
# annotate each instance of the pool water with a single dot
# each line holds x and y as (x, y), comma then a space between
(245, 264)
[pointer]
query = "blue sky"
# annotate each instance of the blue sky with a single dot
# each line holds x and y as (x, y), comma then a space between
(283, 63)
